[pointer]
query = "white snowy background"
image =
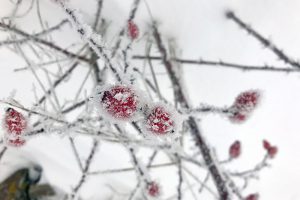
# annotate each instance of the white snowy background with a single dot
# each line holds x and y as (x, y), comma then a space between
(201, 31)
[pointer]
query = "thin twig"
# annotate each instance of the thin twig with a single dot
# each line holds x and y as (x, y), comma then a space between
(43, 42)
(44, 32)
(267, 43)
(128, 169)
(203, 62)
(3, 152)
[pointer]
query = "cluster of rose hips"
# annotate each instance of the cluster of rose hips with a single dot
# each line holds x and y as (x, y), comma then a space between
(243, 105)
(123, 103)
(236, 147)
(15, 126)
(235, 152)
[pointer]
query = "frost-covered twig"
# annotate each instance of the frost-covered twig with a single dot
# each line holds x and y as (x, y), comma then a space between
(75, 151)
(43, 42)
(206, 109)
(205, 149)
(75, 106)
(220, 63)
(267, 43)
(180, 179)
(3, 152)
(93, 40)
(252, 172)
(85, 169)
(44, 32)
(57, 82)
(128, 169)
(98, 14)
(33, 112)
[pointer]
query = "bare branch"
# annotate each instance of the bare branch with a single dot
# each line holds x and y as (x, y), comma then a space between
(268, 44)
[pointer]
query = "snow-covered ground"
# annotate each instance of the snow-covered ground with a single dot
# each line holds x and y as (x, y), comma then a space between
(201, 31)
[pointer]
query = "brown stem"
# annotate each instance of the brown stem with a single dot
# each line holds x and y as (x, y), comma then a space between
(200, 142)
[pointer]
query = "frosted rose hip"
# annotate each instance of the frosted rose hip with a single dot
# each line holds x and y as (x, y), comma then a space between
(120, 102)
(160, 121)
(15, 122)
(247, 101)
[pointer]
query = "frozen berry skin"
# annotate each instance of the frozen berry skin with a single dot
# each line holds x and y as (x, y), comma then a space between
(15, 122)
(252, 197)
(133, 30)
(153, 189)
(235, 149)
(160, 121)
(120, 102)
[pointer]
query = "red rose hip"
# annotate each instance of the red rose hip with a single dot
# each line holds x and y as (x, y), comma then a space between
(247, 101)
(133, 30)
(160, 121)
(235, 149)
(15, 123)
(120, 102)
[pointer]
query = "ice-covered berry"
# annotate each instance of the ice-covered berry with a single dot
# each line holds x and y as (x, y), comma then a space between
(120, 102)
(235, 149)
(153, 189)
(243, 105)
(271, 150)
(15, 123)
(133, 30)
(160, 121)
(252, 197)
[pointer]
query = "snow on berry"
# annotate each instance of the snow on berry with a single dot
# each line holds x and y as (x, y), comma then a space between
(235, 149)
(118, 102)
(132, 30)
(153, 189)
(271, 150)
(162, 120)
(252, 197)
